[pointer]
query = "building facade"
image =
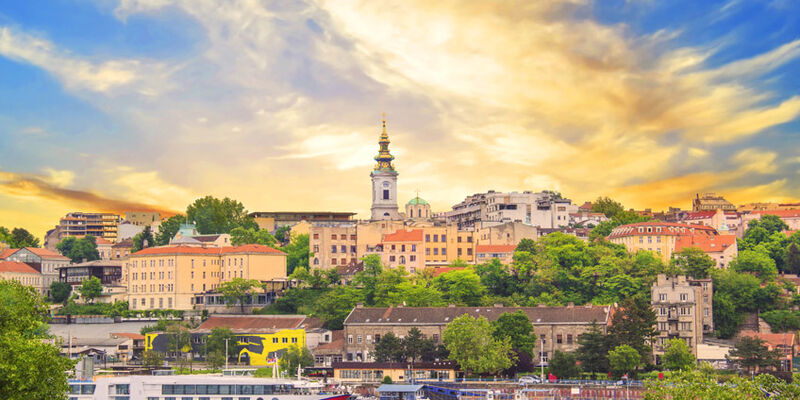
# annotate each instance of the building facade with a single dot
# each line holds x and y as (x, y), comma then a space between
(44, 261)
(22, 273)
(658, 237)
(168, 277)
(502, 252)
(711, 202)
(384, 182)
(679, 307)
(540, 209)
(404, 248)
(80, 224)
(721, 248)
(143, 218)
(272, 220)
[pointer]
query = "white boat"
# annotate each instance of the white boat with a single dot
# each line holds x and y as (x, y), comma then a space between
(196, 387)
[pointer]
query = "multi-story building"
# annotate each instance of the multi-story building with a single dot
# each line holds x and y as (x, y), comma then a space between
(142, 218)
(540, 209)
(721, 248)
(446, 244)
(272, 220)
(104, 248)
(22, 273)
(723, 222)
(502, 252)
(332, 245)
(655, 236)
(586, 218)
(790, 217)
(44, 261)
(558, 328)
(80, 224)
(109, 272)
(508, 233)
(404, 248)
(679, 308)
(170, 276)
(121, 249)
(711, 202)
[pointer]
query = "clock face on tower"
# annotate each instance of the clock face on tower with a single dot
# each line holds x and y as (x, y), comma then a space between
(386, 184)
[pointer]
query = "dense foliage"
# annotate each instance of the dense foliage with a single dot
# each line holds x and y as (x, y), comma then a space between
(18, 238)
(143, 239)
(213, 215)
(79, 250)
(698, 385)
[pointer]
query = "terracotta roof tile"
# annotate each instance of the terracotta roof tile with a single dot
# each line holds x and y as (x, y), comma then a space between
(779, 213)
(100, 240)
(7, 252)
(436, 271)
(244, 249)
(709, 244)
(773, 339)
(13, 266)
(496, 248)
(443, 315)
(402, 235)
(44, 253)
(134, 336)
(682, 229)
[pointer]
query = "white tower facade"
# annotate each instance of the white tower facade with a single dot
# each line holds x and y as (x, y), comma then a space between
(384, 182)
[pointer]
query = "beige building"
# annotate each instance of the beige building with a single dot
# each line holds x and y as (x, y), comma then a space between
(506, 233)
(403, 248)
(558, 328)
(710, 202)
(104, 248)
(658, 237)
(539, 209)
(142, 218)
(790, 217)
(721, 248)
(22, 273)
(44, 261)
(680, 306)
(502, 252)
(168, 277)
(354, 372)
(272, 220)
(80, 224)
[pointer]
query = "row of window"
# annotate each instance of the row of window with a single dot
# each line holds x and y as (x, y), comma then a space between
(411, 258)
(336, 237)
(334, 247)
(559, 338)
(359, 338)
(171, 262)
(152, 302)
(224, 389)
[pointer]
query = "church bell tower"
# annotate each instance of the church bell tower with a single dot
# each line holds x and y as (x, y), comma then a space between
(384, 182)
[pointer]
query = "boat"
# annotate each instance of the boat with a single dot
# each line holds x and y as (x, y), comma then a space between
(196, 387)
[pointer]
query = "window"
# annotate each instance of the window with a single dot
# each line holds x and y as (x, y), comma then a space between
(559, 339)
(413, 247)
(444, 251)
(662, 297)
(343, 248)
(333, 261)
(469, 251)
(444, 238)
(284, 340)
(358, 339)
(353, 249)
(412, 258)
(569, 338)
(544, 339)
(469, 239)
(435, 238)
(427, 238)
(316, 236)
(352, 237)
(436, 251)
(349, 339)
(333, 248)
(543, 355)
(427, 251)
(402, 247)
(316, 248)
(385, 194)
(459, 251)
(391, 258)
(343, 237)
(683, 296)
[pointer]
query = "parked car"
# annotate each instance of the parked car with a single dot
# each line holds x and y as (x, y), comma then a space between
(530, 380)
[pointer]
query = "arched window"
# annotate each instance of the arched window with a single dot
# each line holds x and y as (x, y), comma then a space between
(316, 261)
(386, 214)
(402, 259)
(419, 213)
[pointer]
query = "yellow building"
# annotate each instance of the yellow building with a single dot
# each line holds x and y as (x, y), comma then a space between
(22, 273)
(375, 372)
(658, 237)
(446, 244)
(168, 277)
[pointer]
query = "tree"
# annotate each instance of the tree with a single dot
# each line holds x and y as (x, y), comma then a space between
(462, 287)
(90, 289)
(517, 327)
(283, 234)
(240, 236)
(470, 344)
(368, 278)
(20, 237)
(526, 245)
(593, 349)
(168, 229)
(32, 368)
(770, 223)
(60, 291)
(297, 253)
(564, 365)
(756, 262)
(212, 215)
(217, 338)
(678, 356)
(623, 360)
(152, 358)
(295, 356)
(782, 320)
(693, 261)
(496, 278)
(215, 359)
(416, 347)
(334, 306)
(752, 355)
(634, 325)
(79, 250)
(238, 290)
(607, 206)
(180, 341)
(791, 259)
(389, 349)
(143, 239)
(698, 385)
(5, 235)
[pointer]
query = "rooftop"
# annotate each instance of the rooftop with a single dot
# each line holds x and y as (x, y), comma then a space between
(13, 266)
(443, 315)
(707, 243)
(243, 249)
(44, 253)
(403, 235)
(258, 323)
(496, 248)
(779, 213)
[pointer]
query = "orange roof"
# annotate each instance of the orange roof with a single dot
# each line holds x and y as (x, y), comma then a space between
(707, 243)
(687, 229)
(100, 240)
(212, 251)
(7, 252)
(13, 266)
(44, 253)
(772, 339)
(134, 336)
(402, 235)
(496, 248)
(787, 233)
(779, 213)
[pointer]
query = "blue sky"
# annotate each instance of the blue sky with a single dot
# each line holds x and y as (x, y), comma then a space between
(113, 104)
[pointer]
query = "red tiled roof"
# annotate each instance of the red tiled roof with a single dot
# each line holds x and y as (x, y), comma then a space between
(411, 235)
(13, 266)
(707, 214)
(215, 251)
(779, 213)
(707, 243)
(496, 248)
(100, 240)
(631, 229)
(134, 336)
(44, 253)
(773, 339)
(336, 343)
(255, 323)
(7, 252)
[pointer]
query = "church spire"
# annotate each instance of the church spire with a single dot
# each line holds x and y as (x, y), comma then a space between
(384, 157)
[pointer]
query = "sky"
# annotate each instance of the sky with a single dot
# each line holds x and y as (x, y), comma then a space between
(110, 105)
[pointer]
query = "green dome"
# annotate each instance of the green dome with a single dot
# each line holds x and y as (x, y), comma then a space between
(417, 201)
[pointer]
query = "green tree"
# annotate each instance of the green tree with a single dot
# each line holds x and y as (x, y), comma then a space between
(283, 234)
(462, 287)
(693, 261)
(240, 236)
(79, 250)
(212, 215)
(169, 228)
(678, 356)
(416, 347)
(297, 253)
(592, 352)
(415, 295)
(334, 305)
(216, 341)
(526, 245)
(238, 290)
(143, 239)
(368, 278)
(32, 368)
(389, 349)
(564, 365)
(791, 259)
(782, 320)
(471, 345)
(5, 235)
(634, 325)
(180, 341)
(20, 237)
(624, 359)
(770, 223)
(752, 355)
(756, 262)
(517, 328)
(90, 289)
(60, 291)
(152, 358)
(496, 277)
(295, 355)
(698, 385)
(607, 206)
